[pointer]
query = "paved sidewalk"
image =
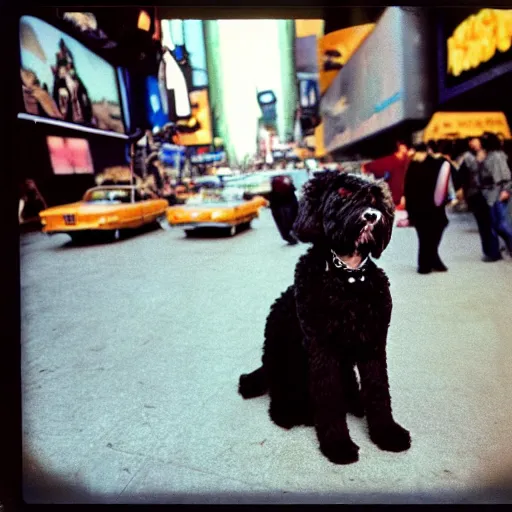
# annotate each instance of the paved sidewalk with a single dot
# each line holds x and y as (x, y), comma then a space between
(132, 352)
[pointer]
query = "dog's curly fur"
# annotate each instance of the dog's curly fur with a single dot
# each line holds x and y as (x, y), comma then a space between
(323, 326)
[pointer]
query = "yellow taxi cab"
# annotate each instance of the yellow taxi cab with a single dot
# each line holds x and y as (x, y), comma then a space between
(105, 210)
(215, 210)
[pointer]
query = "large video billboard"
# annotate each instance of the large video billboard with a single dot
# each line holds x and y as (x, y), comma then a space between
(64, 81)
(187, 80)
(474, 46)
(382, 84)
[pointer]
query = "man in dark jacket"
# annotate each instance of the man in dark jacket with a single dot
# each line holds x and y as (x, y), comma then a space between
(284, 206)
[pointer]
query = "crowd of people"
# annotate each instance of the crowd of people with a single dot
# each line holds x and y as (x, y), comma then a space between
(424, 179)
(478, 169)
(487, 186)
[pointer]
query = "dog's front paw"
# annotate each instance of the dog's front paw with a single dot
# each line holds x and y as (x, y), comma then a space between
(340, 452)
(286, 418)
(391, 437)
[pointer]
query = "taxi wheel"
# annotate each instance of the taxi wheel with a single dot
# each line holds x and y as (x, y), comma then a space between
(78, 238)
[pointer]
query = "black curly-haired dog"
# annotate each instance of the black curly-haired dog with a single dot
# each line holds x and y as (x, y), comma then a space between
(334, 317)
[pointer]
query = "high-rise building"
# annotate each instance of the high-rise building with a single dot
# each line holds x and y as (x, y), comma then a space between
(242, 63)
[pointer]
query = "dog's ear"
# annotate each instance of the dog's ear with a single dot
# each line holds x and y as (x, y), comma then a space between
(309, 223)
(387, 198)
(388, 211)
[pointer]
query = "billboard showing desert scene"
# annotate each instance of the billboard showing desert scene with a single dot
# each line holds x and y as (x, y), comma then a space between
(63, 80)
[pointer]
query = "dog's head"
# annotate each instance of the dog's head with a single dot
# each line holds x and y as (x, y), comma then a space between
(348, 212)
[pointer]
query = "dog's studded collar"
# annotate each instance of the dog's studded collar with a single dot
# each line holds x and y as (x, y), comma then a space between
(354, 274)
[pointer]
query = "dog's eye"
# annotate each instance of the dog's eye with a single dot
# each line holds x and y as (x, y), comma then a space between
(343, 192)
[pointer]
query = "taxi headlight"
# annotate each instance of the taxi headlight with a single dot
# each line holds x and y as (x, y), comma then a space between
(217, 215)
(43, 221)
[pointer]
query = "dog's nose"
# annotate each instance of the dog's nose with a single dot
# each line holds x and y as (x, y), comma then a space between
(371, 215)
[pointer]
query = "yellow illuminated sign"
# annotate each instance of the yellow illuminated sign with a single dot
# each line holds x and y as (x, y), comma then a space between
(477, 39)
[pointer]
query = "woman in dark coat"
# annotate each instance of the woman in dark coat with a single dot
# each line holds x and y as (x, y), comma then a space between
(425, 189)
(284, 206)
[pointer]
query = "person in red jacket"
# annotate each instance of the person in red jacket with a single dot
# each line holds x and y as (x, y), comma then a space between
(392, 168)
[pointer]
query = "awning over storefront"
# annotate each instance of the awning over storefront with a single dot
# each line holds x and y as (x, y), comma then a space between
(459, 125)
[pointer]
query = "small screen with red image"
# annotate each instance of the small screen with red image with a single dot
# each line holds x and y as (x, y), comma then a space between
(70, 155)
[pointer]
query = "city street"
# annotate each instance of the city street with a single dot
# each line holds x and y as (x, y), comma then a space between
(131, 354)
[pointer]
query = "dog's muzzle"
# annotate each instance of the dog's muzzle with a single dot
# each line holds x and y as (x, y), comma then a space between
(371, 216)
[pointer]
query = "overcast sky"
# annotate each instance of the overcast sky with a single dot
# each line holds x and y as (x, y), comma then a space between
(250, 61)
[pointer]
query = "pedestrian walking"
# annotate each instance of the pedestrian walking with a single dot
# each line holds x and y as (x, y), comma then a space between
(31, 202)
(284, 206)
(155, 169)
(496, 186)
(425, 190)
(469, 180)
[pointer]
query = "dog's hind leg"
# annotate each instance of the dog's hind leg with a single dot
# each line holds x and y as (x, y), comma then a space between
(285, 363)
(352, 391)
(289, 404)
(253, 384)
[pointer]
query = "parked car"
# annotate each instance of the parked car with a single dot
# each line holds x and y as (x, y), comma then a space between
(105, 210)
(216, 209)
